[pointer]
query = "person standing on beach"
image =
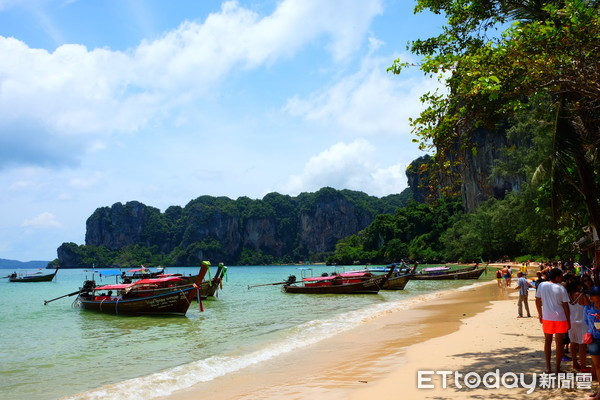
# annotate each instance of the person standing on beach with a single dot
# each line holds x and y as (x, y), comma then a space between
(539, 280)
(592, 316)
(523, 286)
(552, 303)
(499, 278)
(506, 276)
(577, 301)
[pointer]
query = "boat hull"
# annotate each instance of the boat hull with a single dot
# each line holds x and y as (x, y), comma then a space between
(174, 302)
(467, 273)
(34, 278)
(397, 282)
(370, 286)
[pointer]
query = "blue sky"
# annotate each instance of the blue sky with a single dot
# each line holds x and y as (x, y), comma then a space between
(105, 101)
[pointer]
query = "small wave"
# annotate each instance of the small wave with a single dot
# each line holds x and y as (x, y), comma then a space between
(167, 382)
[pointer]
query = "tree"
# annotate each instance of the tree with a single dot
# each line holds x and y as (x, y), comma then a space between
(551, 50)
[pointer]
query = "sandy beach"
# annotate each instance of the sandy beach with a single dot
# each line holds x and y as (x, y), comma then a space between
(475, 330)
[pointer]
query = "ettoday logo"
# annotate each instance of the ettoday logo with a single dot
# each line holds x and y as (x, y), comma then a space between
(496, 380)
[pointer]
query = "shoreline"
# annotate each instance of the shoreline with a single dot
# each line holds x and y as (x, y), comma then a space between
(383, 355)
(491, 341)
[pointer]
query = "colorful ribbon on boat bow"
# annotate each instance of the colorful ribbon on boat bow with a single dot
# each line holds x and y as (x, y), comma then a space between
(224, 273)
(199, 297)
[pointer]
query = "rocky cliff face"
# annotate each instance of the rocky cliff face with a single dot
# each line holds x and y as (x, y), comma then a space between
(261, 234)
(478, 184)
(117, 226)
(473, 175)
(418, 179)
(330, 220)
(221, 229)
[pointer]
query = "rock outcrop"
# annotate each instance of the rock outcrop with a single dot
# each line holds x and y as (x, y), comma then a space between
(478, 183)
(473, 174)
(219, 228)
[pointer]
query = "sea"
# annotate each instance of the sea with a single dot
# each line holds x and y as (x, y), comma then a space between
(57, 351)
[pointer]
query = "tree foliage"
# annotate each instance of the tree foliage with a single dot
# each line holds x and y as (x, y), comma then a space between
(500, 58)
(413, 232)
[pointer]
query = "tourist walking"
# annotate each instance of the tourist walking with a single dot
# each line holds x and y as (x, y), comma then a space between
(506, 276)
(499, 278)
(552, 303)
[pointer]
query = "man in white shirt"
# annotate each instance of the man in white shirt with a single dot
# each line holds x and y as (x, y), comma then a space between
(552, 302)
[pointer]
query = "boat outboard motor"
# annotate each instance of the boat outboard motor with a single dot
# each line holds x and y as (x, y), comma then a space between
(290, 280)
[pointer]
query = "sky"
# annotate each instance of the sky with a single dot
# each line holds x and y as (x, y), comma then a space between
(106, 101)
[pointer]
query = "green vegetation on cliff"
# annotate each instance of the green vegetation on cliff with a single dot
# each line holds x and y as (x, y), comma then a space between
(276, 229)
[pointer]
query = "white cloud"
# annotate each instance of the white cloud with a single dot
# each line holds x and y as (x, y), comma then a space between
(86, 182)
(43, 220)
(370, 101)
(55, 106)
(348, 166)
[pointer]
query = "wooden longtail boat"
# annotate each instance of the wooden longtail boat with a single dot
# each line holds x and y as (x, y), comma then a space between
(464, 273)
(397, 282)
(130, 300)
(349, 283)
(37, 277)
(210, 287)
(167, 282)
(141, 273)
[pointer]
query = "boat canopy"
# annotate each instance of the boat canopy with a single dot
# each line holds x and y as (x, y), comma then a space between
(340, 276)
(321, 278)
(435, 269)
(108, 272)
(356, 274)
(117, 286)
(159, 280)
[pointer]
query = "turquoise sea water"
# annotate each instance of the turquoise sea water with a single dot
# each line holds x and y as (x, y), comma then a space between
(56, 351)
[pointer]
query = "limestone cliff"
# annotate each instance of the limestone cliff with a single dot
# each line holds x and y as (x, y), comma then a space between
(473, 174)
(478, 183)
(219, 228)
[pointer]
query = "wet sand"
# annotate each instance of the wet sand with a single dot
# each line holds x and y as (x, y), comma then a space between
(461, 330)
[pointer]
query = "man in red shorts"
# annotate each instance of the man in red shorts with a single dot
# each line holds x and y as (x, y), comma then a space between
(552, 302)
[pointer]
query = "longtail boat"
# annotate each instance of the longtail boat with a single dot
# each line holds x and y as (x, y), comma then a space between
(133, 299)
(347, 283)
(141, 273)
(210, 287)
(35, 277)
(473, 272)
(398, 282)
(399, 279)
(166, 282)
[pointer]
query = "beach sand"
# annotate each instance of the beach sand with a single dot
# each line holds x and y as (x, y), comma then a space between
(472, 330)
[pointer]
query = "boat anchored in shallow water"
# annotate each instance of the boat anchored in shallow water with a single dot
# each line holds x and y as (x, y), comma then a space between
(136, 299)
(445, 273)
(346, 283)
(35, 277)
